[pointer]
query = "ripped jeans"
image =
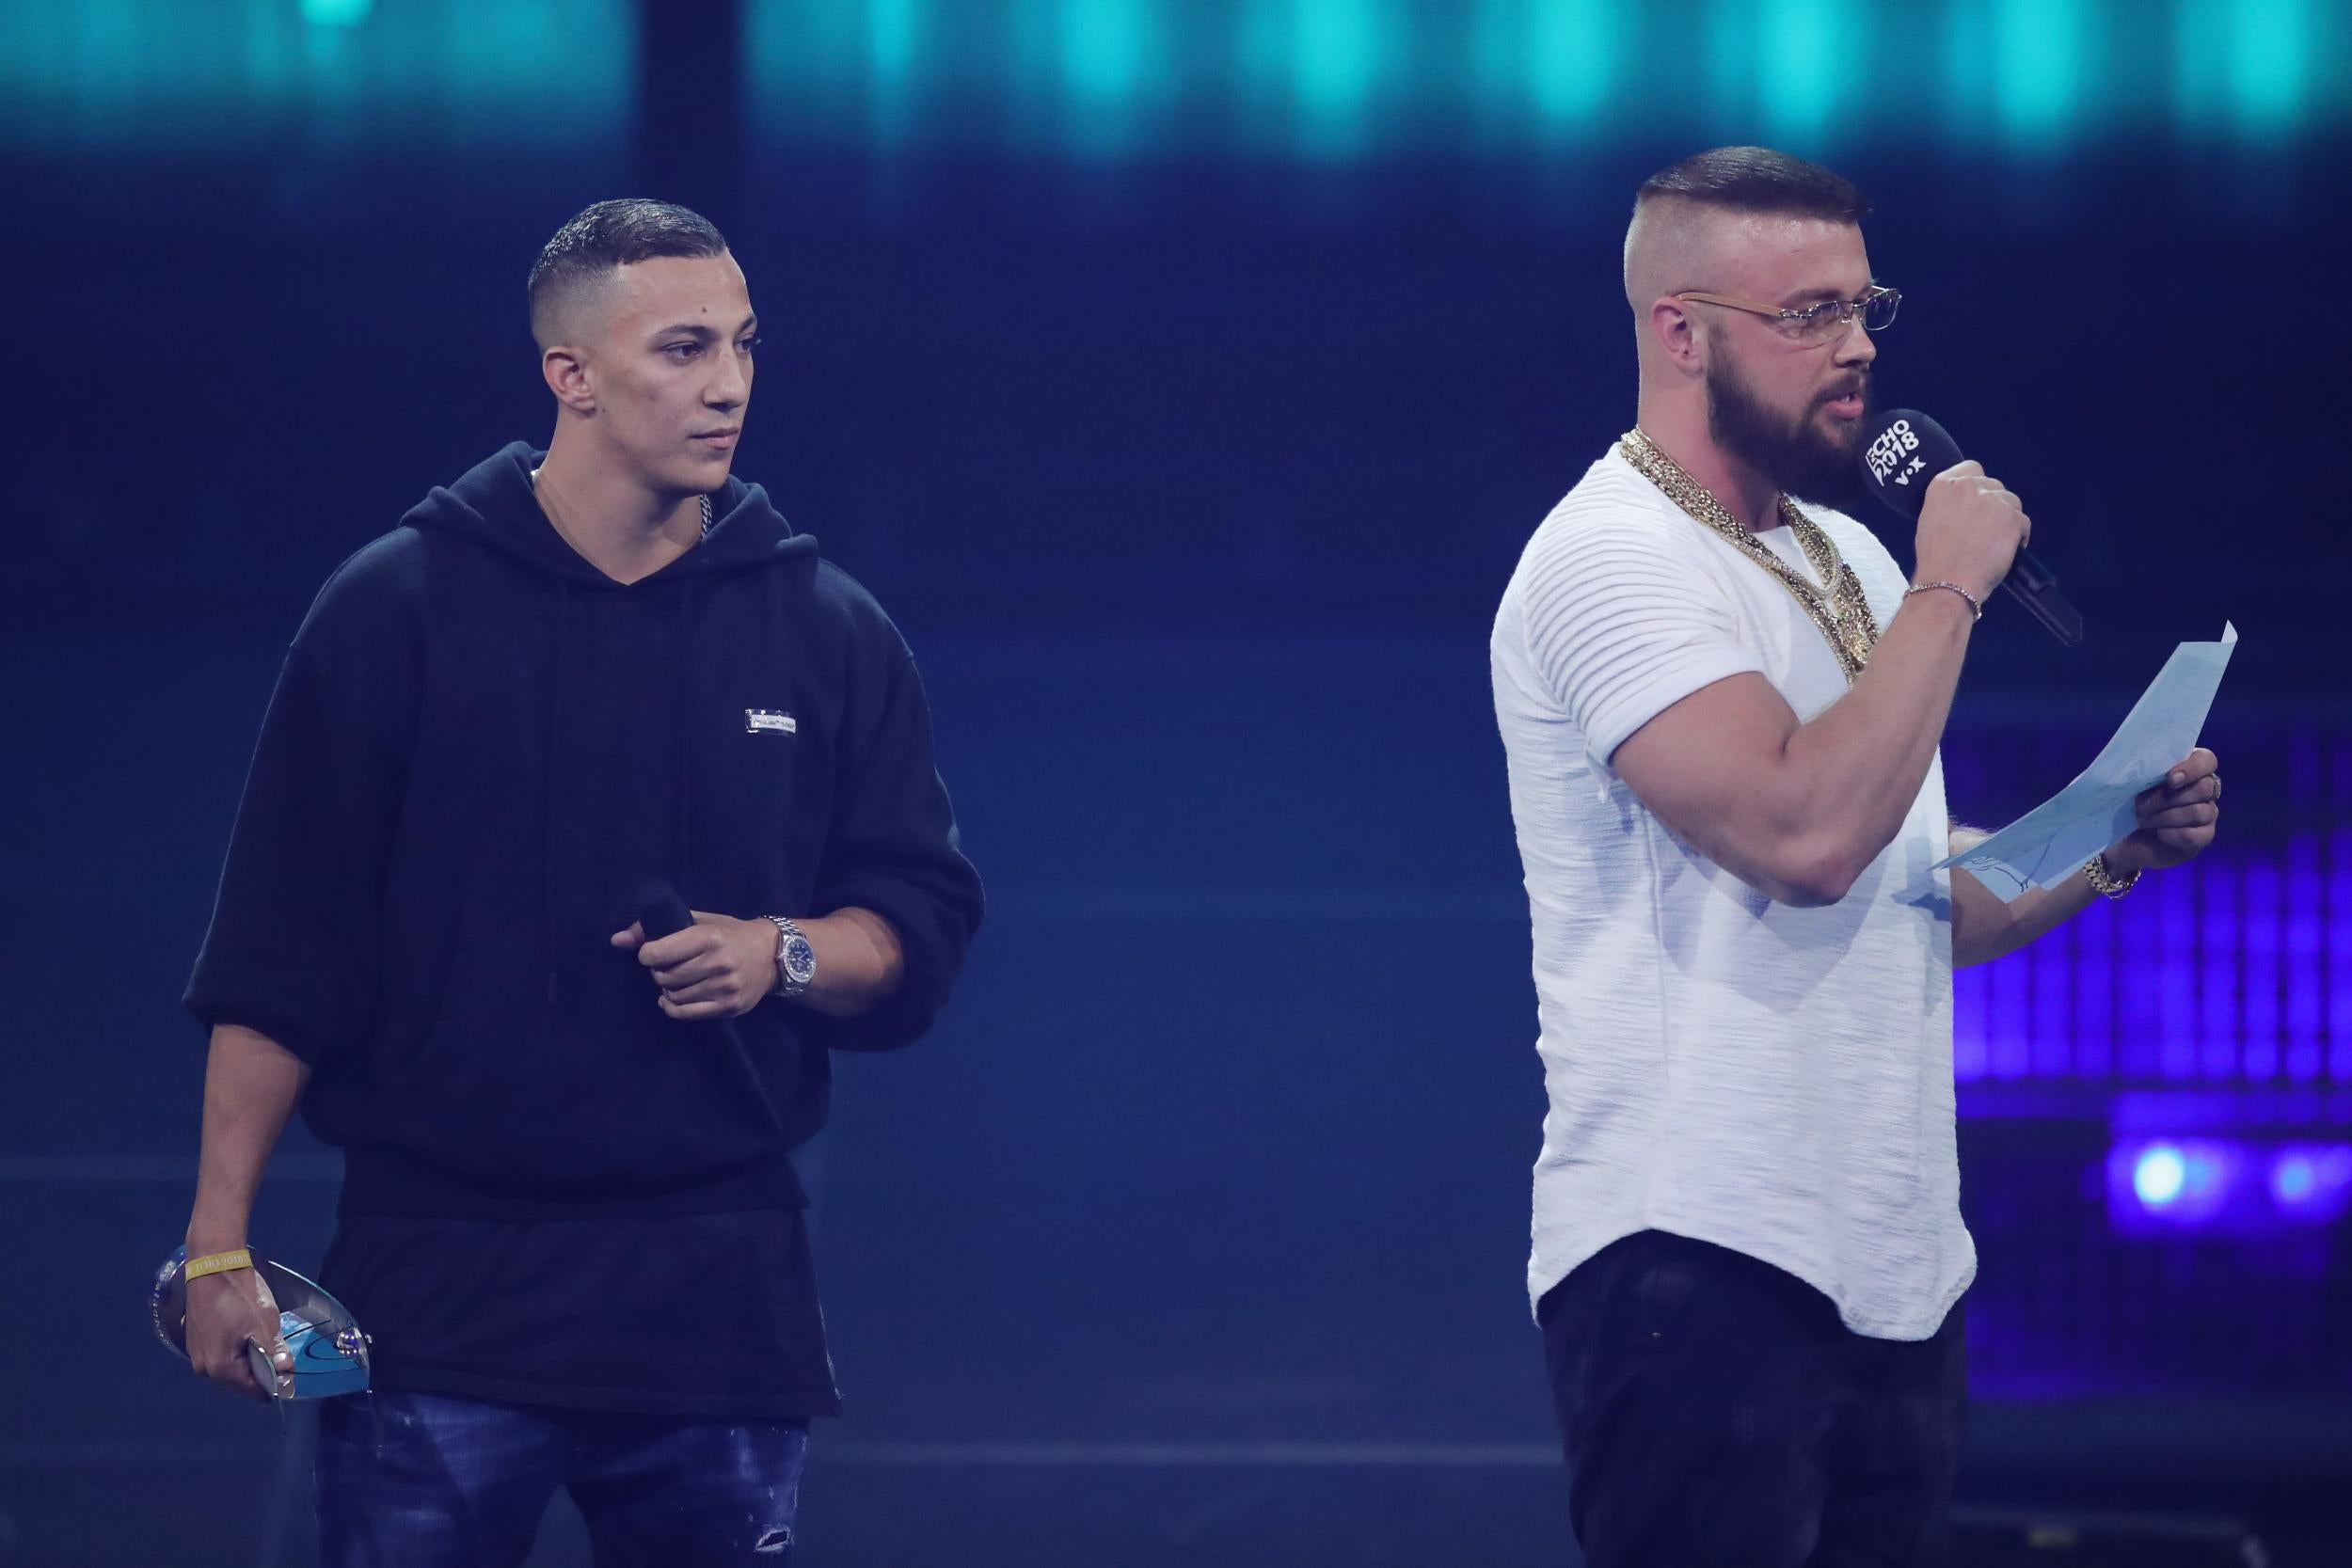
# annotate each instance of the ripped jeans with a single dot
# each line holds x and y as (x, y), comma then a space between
(421, 1481)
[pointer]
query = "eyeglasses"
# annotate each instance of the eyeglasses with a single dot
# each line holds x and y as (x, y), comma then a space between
(1823, 323)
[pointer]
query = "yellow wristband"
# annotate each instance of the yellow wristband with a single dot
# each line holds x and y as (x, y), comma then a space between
(219, 1262)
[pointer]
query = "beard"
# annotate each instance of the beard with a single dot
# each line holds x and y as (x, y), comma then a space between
(1795, 455)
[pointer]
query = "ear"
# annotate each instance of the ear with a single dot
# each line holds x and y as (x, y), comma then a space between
(568, 378)
(1676, 333)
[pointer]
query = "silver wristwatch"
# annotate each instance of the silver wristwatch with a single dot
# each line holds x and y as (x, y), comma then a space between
(796, 960)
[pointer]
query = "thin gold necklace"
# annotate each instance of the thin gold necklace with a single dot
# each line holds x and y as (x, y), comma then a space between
(1843, 613)
(568, 538)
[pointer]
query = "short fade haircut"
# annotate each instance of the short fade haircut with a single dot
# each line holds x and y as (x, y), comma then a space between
(608, 235)
(1757, 180)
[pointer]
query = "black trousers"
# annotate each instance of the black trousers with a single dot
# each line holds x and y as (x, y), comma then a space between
(1714, 1410)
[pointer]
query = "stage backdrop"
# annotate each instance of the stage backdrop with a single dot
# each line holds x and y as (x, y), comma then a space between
(1185, 375)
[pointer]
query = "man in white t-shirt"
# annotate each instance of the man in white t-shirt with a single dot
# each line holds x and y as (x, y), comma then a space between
(1722, 711)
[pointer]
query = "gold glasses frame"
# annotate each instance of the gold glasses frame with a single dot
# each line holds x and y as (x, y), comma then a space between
(1820, 322)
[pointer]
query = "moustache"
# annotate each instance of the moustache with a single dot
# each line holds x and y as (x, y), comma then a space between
(1855, 386)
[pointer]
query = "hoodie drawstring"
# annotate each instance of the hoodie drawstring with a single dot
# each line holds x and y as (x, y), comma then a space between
(560, 674)
(682, 831)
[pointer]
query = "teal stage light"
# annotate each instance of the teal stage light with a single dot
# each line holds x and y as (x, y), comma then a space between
(1322, 81)
(336, 14)
(1317, 82)
(318, 79)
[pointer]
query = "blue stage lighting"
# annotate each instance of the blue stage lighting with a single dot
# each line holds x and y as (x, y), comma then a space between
(2159, 1175)
(2167, 1182)
(2291, 1180)
(2311, 1183)
(2231, 1185)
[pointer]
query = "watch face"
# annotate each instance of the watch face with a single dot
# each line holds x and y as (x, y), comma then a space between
(800, 960)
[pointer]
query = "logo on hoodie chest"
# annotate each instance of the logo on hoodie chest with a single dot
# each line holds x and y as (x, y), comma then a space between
(767, 721)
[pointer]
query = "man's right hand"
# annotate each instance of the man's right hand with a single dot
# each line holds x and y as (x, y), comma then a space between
(1970, 529)
(224, 1311)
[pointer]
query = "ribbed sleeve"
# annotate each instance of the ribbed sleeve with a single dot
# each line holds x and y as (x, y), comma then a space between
(1620, 623)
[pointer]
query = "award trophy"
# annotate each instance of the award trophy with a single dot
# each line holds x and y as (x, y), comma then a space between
(331, 1354)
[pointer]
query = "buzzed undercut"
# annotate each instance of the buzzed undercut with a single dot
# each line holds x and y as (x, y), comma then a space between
(608, 235)
(1680, 212)
(1758, 180)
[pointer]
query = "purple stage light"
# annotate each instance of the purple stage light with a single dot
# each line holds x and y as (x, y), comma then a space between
(2293, 1180)
(2311, 1183)
(2159, 1175)
(2226, 1183)
(2170, 1181)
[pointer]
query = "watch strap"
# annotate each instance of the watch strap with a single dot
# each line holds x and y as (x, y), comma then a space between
(789, 986)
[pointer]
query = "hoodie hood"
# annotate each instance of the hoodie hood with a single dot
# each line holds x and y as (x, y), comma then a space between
(493, 505)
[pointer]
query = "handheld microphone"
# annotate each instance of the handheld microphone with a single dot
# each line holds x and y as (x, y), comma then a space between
(660, 912)
(1904, 451)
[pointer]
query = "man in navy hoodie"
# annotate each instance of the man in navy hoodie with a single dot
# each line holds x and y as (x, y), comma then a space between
(569, 1217)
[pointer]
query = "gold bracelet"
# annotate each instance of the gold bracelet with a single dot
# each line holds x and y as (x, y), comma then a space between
(2104, 882)
(219, 1262)
(1975, 605)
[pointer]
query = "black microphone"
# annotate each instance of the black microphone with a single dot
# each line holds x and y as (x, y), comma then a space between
(660, 910)
(1904, 451)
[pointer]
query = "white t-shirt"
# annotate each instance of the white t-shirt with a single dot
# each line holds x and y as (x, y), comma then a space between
(1771, 1079)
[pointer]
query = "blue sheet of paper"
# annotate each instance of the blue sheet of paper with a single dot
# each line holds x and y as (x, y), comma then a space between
(2052, 841)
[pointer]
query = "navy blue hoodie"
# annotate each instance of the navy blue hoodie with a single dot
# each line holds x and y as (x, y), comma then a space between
(479, 749)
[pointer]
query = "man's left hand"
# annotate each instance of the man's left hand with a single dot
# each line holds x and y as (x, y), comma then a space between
(718, 967)
(2177, 817)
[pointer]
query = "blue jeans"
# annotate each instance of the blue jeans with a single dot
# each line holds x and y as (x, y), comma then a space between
(422, 1480)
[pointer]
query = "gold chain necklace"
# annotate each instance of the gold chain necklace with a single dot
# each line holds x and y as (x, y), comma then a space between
(1843, 613)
